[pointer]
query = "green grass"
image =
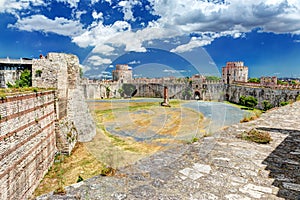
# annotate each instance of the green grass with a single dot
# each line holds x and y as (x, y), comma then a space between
(13, 91)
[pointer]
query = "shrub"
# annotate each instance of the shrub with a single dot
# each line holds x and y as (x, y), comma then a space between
(284, 103)
(195, 139)
(250, 101)
(267, 105)
(128, 89)
(25, 79)
(254, 135)
(242, 100)
(108, 171)
(79, 179)
(38, 73)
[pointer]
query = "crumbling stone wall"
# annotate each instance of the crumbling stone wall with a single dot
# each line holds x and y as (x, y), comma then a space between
(274, 96)
(74, 121)
(27, 142)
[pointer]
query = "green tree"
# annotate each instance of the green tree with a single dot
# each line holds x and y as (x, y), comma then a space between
(280, 82)
(212, 78)
(254, 80)
(266, 105)
(107, 91)
(242, 100)
(128, 89)
(25, 79)
(250, 101)
(121, 92)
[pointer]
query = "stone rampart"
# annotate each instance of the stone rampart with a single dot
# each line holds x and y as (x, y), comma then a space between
(74, 122)
(27, 142)
(206, 90)
(273, 96)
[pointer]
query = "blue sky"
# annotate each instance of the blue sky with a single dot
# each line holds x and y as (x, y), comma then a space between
(162, 37)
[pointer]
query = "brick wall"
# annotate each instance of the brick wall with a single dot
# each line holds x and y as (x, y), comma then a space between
(27, 142)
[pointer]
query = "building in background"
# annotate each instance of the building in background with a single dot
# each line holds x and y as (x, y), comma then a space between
(122, 73)
(11, 69)
(268, 81)
(234, 72)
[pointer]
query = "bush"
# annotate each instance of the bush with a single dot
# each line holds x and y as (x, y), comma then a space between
(242, 100)
(128, 89)
(250, 101)
(284, 103)
(108, 171)
(79, 179)
(267, 105)
(257, 136)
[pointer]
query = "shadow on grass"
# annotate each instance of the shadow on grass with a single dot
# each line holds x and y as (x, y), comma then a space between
(284, 164)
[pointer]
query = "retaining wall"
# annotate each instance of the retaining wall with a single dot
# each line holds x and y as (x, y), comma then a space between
(27, 142)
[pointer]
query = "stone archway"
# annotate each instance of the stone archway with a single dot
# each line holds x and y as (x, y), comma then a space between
(197, 95)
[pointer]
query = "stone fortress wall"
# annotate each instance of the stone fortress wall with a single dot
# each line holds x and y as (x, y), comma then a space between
(206, 91)
(273, 96)
(27, 142)
(34, 127)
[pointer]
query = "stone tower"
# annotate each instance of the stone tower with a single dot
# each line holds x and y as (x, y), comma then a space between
(234, 72)
(122, 73)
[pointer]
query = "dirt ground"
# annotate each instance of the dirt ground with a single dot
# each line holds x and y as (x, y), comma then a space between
(126, 132)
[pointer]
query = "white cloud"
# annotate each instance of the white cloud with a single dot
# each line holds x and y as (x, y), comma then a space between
(85, 68)
(78, 13)
(207, 19)
(297, 41)
(96, 1)
(97, 60)
(103, 49)
(193, 43)
(72, 3)
(134, 62)
(11, 6)
(97, 15)
(41, 23)
(99, 34)
(232, 18)
(127, 7)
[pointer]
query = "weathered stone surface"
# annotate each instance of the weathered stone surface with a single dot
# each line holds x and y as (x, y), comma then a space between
(27, 142)
(219, 167)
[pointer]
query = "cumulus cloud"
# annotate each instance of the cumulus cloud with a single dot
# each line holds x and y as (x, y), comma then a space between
(97, 60)
(97, 15)
(176, 18)
(72, 3)
(193, 43)
(99, 33)
(41, 23)
(127, 7)
(103, 49)
(12, 6)
(207, 19)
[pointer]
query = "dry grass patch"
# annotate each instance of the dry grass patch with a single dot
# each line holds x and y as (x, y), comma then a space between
(254, 135)
(66, 170)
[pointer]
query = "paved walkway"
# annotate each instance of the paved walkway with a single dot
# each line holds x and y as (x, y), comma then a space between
(218, 167)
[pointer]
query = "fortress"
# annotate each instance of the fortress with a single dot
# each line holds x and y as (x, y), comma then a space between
(35, 126)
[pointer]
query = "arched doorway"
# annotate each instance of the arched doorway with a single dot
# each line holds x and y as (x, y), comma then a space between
(197, 95)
